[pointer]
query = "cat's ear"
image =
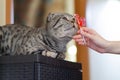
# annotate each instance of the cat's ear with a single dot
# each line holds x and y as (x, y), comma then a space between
(50, 17)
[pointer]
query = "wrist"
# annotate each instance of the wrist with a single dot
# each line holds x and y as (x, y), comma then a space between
(108, 47)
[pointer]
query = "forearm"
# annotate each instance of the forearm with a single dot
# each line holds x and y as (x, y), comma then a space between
(113, 47)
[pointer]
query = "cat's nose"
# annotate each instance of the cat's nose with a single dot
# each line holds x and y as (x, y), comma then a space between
(73, 20)
(73, 26)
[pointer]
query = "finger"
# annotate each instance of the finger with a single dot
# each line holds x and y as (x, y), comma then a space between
(79, 40)
(78, 31)
(77, 36)
(87, 35)
(88, 30)
(81, 43)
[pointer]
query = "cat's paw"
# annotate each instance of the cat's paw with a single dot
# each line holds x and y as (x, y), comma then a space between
(49, 54)
(61, 56)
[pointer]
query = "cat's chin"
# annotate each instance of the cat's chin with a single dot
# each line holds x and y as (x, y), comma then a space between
(67, 37)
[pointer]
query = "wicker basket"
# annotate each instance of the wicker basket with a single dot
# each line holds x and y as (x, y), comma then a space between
(38, 67)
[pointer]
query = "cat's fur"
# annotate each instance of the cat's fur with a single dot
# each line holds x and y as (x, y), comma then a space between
(49, 41)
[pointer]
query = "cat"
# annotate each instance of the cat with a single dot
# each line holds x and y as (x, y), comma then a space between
(50, 40)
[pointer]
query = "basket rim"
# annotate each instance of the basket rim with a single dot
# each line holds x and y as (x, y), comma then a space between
(37, 58)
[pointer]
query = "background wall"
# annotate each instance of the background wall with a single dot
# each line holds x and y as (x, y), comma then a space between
(2, 12)
(104, 17)
(5, 12)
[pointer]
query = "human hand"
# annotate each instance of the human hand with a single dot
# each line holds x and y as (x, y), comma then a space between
(92, 38)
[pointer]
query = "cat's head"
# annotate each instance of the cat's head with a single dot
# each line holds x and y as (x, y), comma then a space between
(61, 25)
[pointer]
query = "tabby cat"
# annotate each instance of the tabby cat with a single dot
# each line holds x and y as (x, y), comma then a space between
(51, 40)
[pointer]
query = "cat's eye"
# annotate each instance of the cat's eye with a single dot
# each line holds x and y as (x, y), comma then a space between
(73, 20)
(65, 18)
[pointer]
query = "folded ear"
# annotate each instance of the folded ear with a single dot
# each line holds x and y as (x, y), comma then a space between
(50, 17)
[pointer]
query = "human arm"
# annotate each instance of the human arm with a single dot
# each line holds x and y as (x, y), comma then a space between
(96, 42)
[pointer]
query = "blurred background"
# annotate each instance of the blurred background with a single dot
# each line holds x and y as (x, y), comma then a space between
(101, 15)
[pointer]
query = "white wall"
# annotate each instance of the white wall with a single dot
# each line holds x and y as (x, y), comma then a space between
(104, 17)
(71, 46)
(2, 12)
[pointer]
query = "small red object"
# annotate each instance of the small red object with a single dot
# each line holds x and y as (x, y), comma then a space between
(80, 20)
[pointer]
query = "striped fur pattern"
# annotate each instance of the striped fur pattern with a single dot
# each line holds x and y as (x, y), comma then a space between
(49, 41)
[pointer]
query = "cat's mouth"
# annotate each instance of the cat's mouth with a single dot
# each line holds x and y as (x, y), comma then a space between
(72, 26)
(71, 31)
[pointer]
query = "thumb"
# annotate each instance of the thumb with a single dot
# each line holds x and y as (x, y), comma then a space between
(86, 34)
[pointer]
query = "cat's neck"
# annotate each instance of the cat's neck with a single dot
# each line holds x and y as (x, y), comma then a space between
(55, 44)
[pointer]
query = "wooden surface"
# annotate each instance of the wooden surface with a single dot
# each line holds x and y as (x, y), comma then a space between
(8, 11)
(82, 51)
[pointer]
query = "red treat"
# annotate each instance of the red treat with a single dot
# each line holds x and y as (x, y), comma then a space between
(80, 20)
